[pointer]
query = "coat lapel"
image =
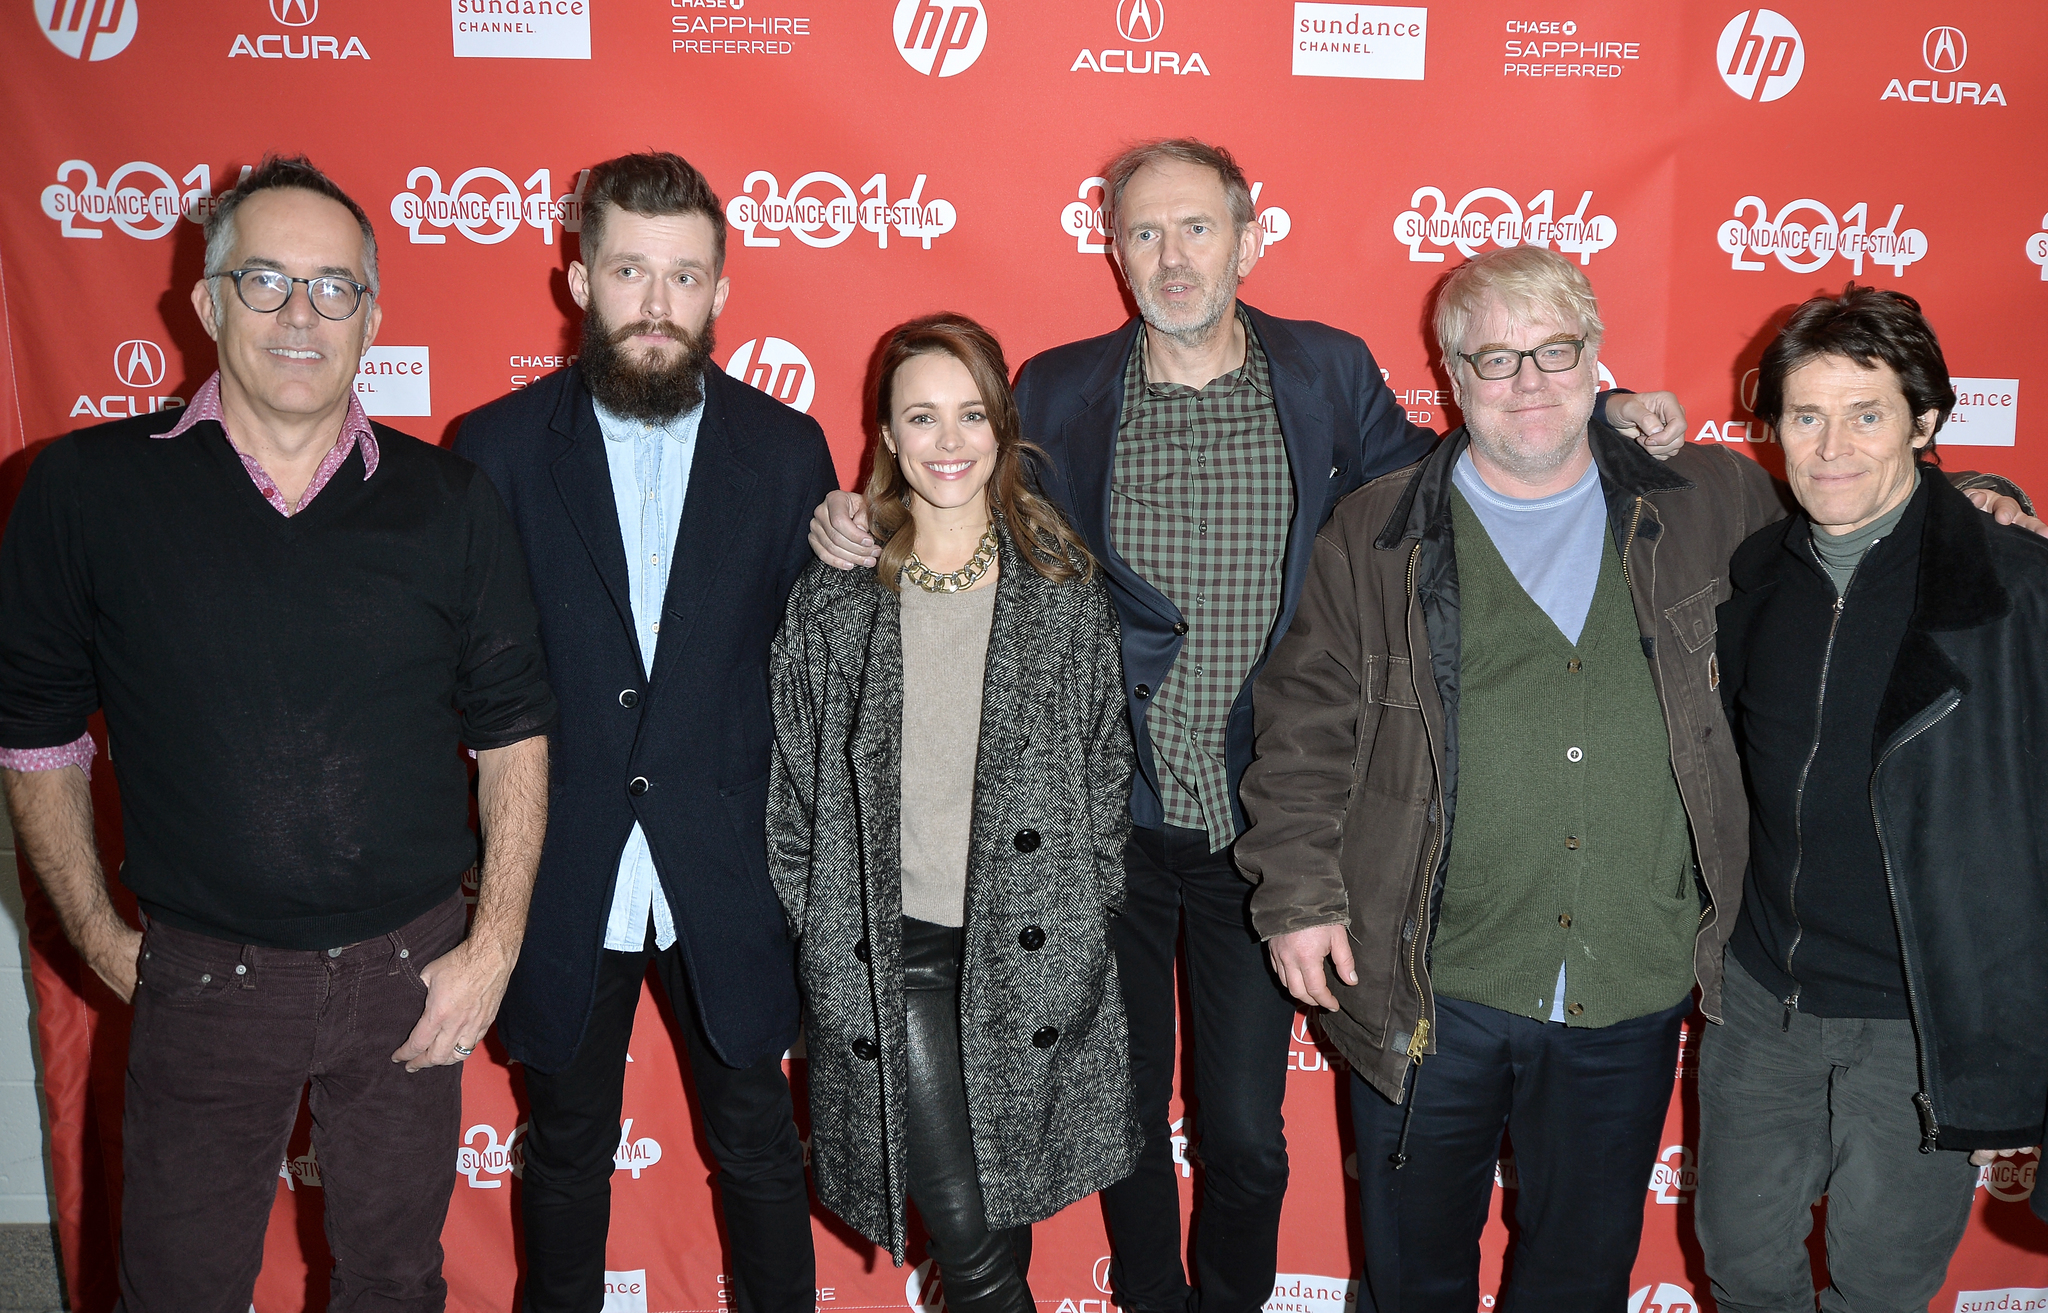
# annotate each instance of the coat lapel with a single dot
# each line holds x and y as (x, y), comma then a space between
(1008, 675)
(715, 514)
(583, 478)
(1957, 589)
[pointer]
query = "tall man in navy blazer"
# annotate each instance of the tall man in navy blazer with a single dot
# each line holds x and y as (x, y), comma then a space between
(662, 506)
(1198, 449)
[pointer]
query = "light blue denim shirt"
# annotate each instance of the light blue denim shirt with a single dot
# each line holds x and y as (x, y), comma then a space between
(650, 468)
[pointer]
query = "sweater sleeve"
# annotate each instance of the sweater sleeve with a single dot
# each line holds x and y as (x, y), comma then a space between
(47, 683)
(501, 685)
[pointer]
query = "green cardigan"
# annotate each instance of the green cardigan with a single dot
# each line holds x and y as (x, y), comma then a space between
(1571, 844)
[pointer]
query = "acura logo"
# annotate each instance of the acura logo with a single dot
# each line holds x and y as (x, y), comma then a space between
(1140, 20)
(295, 13)
(139, 363)
(1945, 49)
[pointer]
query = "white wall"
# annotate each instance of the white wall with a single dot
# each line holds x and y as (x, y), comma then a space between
(24, 1184)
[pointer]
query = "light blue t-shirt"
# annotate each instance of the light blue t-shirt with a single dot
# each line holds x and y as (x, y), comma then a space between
(650, 469)
(1552, 546)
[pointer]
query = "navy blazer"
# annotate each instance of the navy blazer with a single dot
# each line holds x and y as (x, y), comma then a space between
(698, 730)
(1337, 414)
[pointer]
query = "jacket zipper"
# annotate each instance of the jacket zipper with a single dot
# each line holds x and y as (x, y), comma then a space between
(1635, 522)
(1827, 657)
(1922, 1103)
(1420, 1039)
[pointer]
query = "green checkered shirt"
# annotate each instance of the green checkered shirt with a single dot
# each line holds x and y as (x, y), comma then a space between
(1201, 500)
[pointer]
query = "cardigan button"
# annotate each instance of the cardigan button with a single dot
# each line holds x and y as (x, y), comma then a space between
(1027, 841)
(629, 698)
(1574, 754)
(638, 785)
(1141, 692)
(1565, 920)
(1572, 666)
(1575, 1009)
(866, 1049)
(1044, 1037)
(860, 950)
(1031, 939)
(1572, 843)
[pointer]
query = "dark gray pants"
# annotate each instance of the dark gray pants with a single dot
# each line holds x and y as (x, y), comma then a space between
(1822, 1107)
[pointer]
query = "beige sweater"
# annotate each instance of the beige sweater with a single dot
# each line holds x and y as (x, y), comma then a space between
(945, 649)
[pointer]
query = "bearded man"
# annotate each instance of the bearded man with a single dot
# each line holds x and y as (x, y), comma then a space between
(655, 494)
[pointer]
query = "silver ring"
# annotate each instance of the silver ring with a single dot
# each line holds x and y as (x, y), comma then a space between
(462, 1052)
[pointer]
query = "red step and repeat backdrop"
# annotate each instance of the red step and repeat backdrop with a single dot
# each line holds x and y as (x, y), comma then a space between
(1709, 165)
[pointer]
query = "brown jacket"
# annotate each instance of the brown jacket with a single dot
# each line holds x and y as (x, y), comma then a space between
(1353, 796)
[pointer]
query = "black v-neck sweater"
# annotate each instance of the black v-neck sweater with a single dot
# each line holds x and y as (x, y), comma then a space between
(284, 697)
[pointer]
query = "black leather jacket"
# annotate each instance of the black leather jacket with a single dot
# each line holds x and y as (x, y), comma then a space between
(1959, 801)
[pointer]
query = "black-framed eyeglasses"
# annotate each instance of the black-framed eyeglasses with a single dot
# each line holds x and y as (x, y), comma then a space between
(1497, 363)
(266, 290)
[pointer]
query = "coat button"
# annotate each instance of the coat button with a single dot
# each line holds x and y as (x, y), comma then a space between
(1141, 692)
(860, 950)
(1575, 1009)
(1031, 939)
(1565, 920)
(629, 698)
(1026, 841)
(865, 1049)
(1044, 1037)
(1180, 626)
(637, 786)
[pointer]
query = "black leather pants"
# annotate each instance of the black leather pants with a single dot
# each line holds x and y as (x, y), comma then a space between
(982, 1270)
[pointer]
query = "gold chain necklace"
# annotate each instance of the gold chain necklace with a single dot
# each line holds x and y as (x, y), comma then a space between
(960, 580)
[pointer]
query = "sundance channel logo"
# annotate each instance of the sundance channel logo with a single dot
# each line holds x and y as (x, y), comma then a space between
(1360, 41)
(521, 29)
(1307, 1292)
(91, 30)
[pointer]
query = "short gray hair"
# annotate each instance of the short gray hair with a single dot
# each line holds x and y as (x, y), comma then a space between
(1117, 175)
(277, 171)
(1529, 280)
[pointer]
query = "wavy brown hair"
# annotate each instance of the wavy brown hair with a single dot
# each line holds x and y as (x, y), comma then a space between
(1040, 532)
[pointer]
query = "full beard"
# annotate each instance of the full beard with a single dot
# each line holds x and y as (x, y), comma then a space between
(1215, 303)
(629, 384)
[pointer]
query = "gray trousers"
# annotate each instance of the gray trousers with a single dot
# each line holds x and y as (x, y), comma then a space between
(1822, 1107)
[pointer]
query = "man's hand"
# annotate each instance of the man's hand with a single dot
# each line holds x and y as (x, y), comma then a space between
(839, 533)
(52, 811)
(1298, 960)
(2006, 511)
(1655, 419)
(1984, 1156)
(464, 987)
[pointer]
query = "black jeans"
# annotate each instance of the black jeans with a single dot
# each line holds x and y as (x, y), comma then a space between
(983, 1270)
(1791, 1109)
(1585, 1109)
(226, 1037)
(1239, 1023)
(574, 1132)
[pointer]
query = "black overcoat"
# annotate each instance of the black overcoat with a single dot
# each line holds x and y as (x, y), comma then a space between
(696, 733)
(1044, 1047)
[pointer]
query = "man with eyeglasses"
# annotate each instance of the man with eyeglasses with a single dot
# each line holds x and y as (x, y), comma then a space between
(1495, 789)
(293, 619)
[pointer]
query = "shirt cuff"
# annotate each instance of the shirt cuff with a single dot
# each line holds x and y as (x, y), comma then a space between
(79, 752)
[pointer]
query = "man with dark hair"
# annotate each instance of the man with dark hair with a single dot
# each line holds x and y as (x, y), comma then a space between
(291, 617)
(662, 505)
(1880, 663)
(1198, 449)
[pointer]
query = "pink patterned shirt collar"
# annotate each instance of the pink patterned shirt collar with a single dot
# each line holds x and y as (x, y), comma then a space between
(355, 429)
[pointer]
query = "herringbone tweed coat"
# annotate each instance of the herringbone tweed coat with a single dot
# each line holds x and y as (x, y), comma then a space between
(1043, 1042)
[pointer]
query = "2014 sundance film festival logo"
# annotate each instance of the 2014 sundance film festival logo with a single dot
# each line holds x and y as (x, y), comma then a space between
(1760, 55)
(2037, 248)
(91, 30)
(1675, 1176)
(1664, 1297)
(1804, 235)
(1082, 219)
(777, 367)
(486, 206)
(1489, 215)
(1140, 23)
(823, 209)
(521, 29)
(142, 372)
(1360, 41)
(297, 43)
(2010, 1180)
(1943, 50)
(940, 38)
(139, 199)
